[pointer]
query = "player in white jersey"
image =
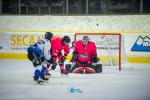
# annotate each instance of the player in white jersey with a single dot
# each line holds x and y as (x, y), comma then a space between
(40, 55)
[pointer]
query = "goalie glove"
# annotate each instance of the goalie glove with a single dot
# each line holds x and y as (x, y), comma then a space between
(95, 59)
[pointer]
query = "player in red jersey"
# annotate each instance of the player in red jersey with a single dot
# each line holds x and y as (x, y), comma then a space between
(58, 45)
(84, 57)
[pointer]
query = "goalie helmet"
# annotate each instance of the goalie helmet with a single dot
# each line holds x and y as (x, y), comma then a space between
(85, 40)
(48, 35)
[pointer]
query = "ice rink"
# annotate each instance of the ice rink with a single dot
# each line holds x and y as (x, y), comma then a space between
(16, 83)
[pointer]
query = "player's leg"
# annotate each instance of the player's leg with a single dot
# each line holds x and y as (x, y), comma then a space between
(68, 67)
(35, 60)
(61, 65)
(37, 74)
(43, 73)
(39, 61)
(51, 66)
(47, 70)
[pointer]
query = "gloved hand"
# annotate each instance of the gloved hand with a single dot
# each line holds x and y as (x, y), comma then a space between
(42, 59)
(95, 60)
(62, 60)
(50, 60)
(54, 66)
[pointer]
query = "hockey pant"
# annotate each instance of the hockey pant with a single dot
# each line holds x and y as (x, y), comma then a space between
(35, 55)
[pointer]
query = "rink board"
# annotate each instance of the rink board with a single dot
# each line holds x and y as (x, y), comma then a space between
(13, 44)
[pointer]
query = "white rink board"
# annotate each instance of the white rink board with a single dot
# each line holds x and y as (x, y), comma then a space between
(17, 42)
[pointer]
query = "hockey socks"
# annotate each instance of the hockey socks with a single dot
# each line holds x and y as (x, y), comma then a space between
(43, 71)
(36, 74)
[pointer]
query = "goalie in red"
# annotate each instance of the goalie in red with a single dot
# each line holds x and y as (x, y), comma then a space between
(84, 58)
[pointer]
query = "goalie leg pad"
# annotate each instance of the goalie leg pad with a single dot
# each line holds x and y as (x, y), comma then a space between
(89, 69)
(76, 69)
(98, 68)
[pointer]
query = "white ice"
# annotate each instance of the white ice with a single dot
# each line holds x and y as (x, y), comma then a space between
(16, 83)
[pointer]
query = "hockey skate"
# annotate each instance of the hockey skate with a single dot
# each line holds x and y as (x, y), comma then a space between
(48, 75)
(64, 72)
(38, 81)
(44, 78)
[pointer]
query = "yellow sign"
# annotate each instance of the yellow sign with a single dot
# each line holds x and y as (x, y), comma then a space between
(21, 40)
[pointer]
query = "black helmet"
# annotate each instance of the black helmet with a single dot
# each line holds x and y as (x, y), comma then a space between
(48, 35)
(66, 39)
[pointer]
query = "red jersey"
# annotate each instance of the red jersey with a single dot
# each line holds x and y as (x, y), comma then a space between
(85, 53)
(57, 47)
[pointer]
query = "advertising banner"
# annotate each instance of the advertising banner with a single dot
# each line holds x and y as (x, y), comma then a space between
(18, 42)
(137, 44)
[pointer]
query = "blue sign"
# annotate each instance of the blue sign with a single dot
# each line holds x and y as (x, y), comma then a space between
(73, 90)
(142, 44)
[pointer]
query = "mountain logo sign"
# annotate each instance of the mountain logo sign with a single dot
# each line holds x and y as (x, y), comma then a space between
(142, 44)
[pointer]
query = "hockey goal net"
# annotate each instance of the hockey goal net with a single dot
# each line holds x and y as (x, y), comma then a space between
(108, 47)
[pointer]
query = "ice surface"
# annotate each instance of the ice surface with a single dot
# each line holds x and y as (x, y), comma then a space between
(16, 83)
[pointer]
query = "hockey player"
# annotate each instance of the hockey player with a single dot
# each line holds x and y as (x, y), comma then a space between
(59, 45)
(39, 54)
(84, 57)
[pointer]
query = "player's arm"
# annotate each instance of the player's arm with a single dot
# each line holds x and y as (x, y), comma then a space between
(66, 52)
(47, 47)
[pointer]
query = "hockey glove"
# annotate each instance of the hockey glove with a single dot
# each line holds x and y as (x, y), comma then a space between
(62, 60)
(95, 59)
(42, 59)
(54, 66)
(50, 60)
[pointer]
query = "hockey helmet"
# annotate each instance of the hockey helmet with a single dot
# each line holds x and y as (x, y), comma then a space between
(66, 39)
(85, 40)
(48, 35)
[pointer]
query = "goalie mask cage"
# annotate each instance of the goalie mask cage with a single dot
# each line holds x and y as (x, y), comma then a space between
(108, 47)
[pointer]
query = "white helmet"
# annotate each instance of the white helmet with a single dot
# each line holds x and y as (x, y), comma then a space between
(85, 40)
